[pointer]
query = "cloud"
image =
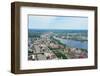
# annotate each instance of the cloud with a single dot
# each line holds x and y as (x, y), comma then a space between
(57, 22)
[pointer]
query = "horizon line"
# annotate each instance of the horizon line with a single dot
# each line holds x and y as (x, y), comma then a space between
(57, 29)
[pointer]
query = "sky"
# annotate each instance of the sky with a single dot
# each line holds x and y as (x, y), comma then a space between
(57, 22)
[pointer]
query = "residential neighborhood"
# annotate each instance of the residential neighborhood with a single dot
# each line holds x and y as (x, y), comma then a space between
(48, 46)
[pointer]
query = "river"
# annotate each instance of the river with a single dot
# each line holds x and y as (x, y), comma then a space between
(73, 43)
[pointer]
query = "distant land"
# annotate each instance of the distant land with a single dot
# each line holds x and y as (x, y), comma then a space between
(56, 30)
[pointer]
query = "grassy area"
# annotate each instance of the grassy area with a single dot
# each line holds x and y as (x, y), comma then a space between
(59, 54)
(84, 50)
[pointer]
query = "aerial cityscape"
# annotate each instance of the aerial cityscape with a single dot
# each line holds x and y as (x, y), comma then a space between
(57, 37)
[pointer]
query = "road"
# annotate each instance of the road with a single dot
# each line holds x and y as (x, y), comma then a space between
(39, 54)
